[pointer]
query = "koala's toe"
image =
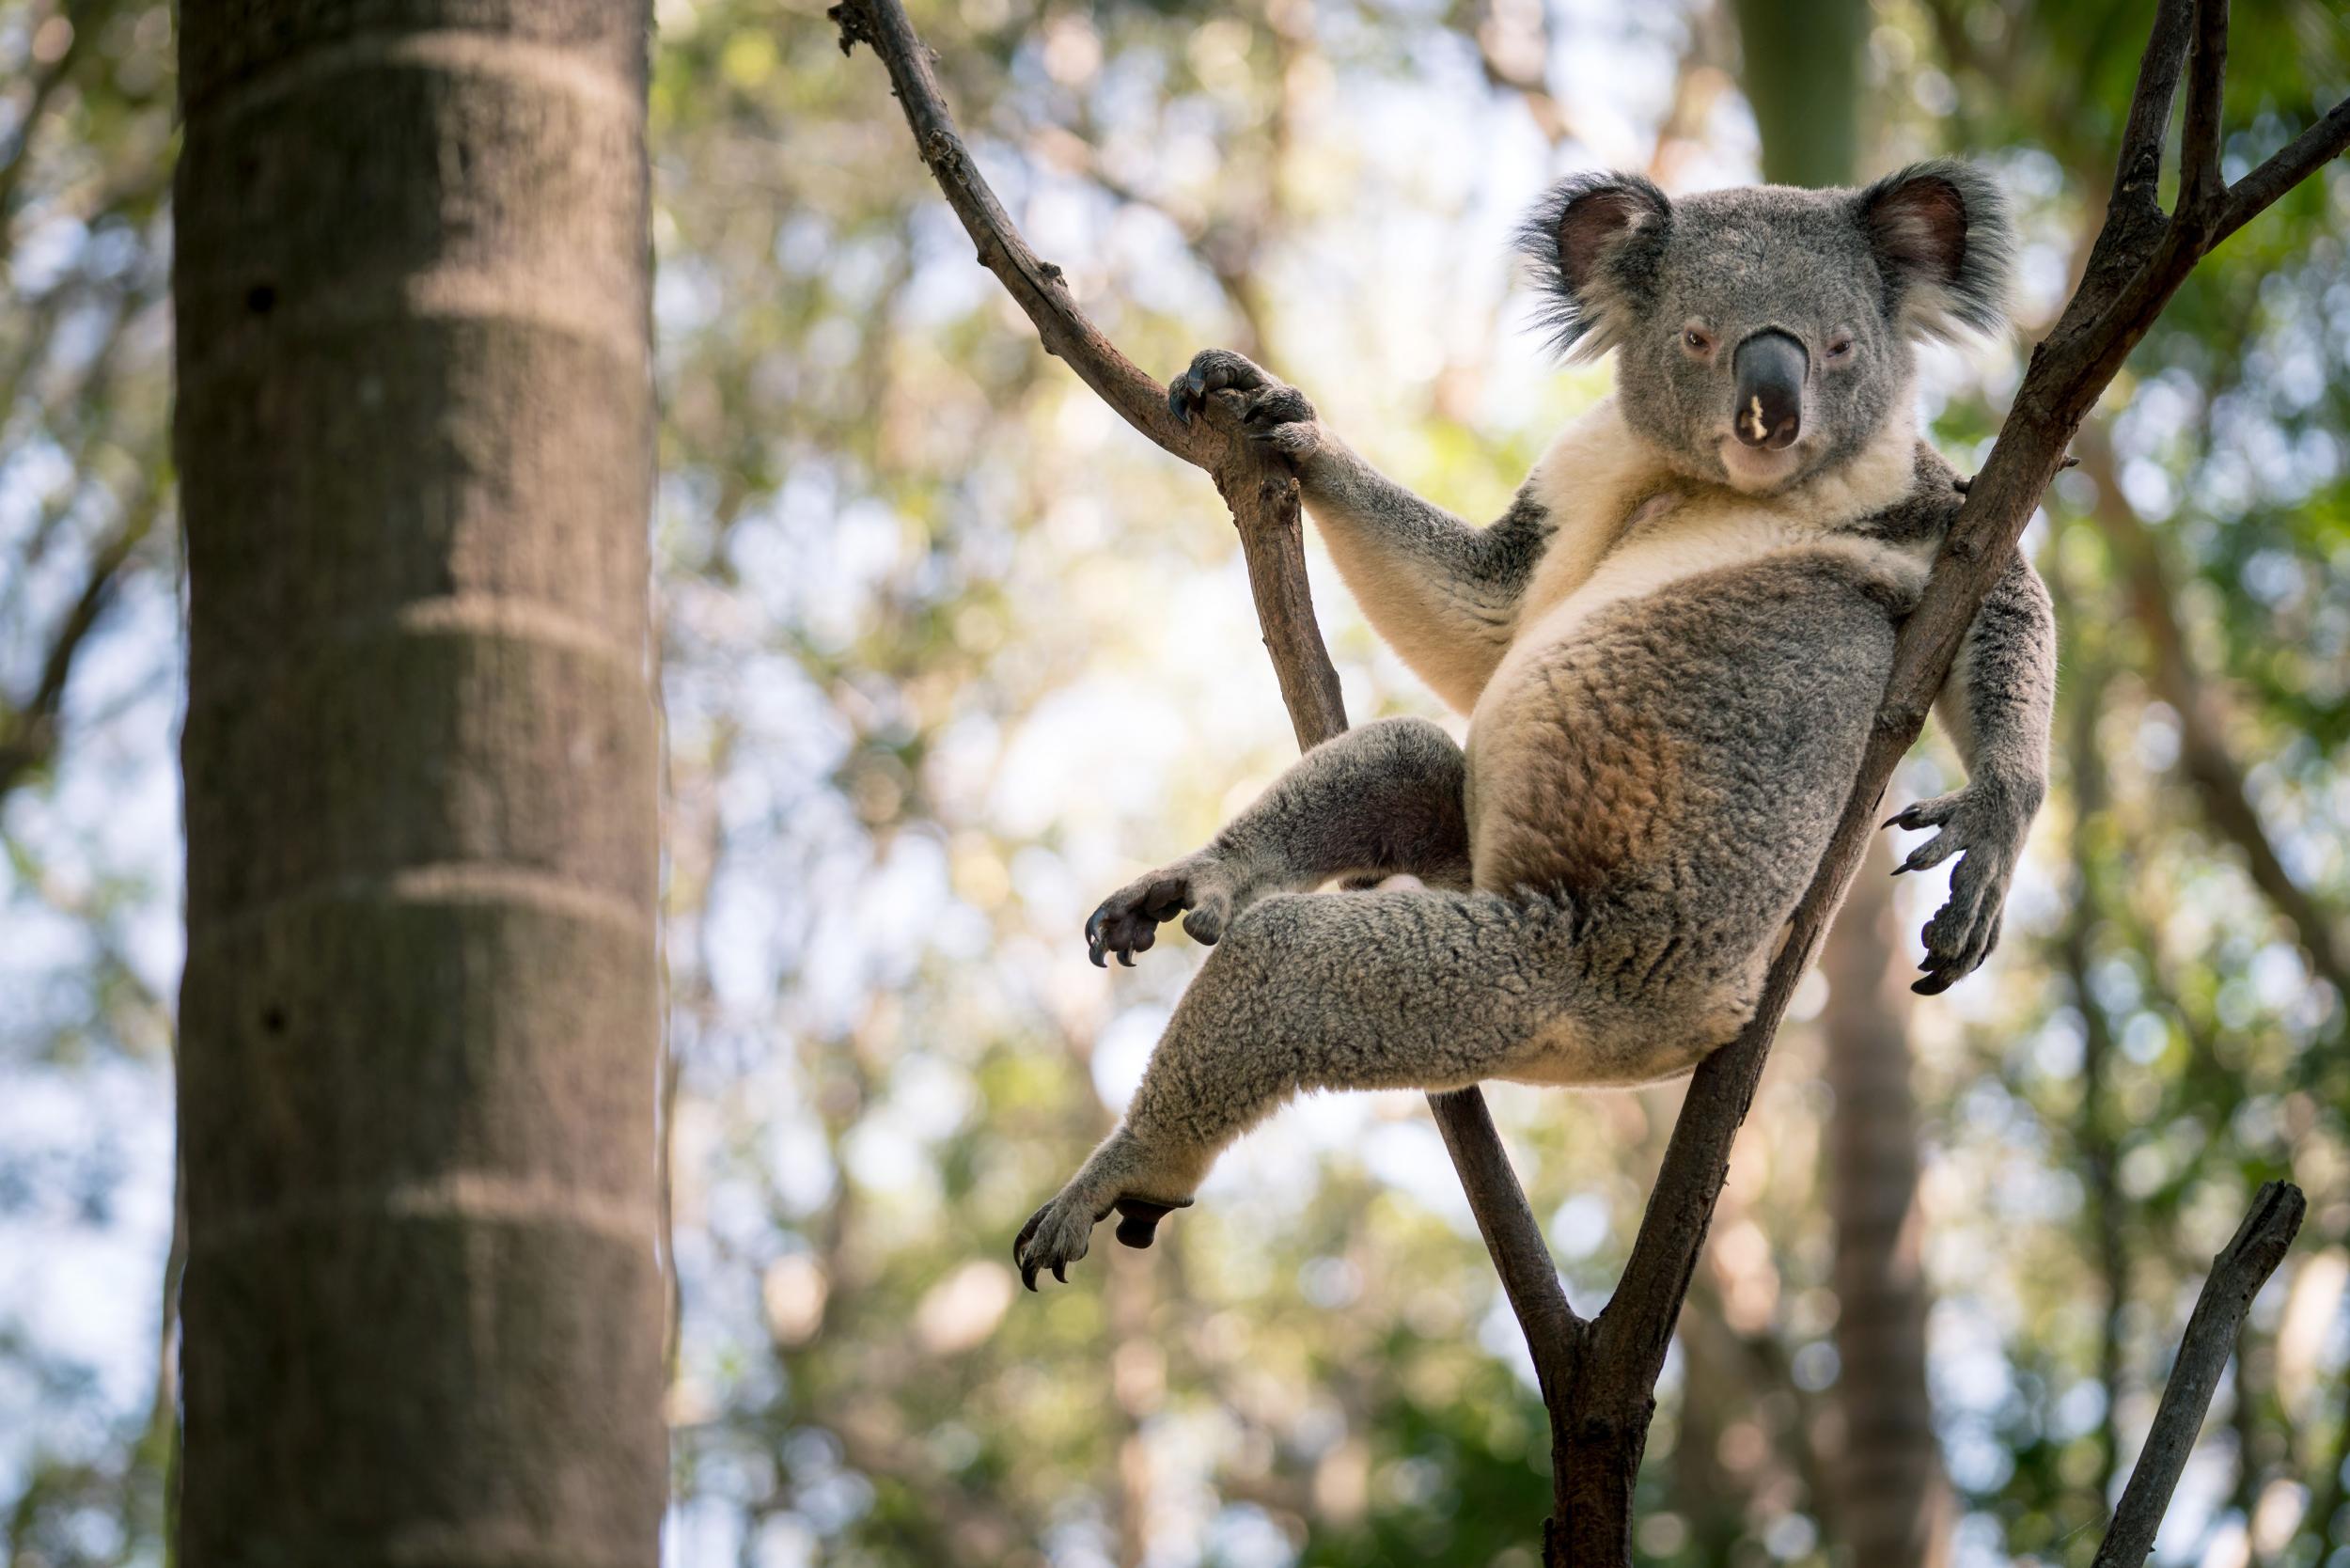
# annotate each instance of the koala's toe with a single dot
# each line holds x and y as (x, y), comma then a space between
(1931, 813)
(1964, 931)
(1276, 406)
(1211, 370)
(1208, 918)
(1930, 853)
(1138, 1220)
(1055, 1236)
(1222, 370)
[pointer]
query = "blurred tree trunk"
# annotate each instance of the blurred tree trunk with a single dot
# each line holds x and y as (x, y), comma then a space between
(1802, 77)
(2085, 663)
(1891, 1502)
(1892, 1506)
(422, 1307)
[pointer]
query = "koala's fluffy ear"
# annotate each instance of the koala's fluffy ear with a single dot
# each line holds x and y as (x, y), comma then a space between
(1594, 240)
(1945, 245)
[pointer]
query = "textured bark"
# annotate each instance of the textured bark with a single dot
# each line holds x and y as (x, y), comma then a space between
(422, 1307)
(1892, 1505)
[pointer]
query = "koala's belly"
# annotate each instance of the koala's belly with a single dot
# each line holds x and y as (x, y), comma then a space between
(1681, 757)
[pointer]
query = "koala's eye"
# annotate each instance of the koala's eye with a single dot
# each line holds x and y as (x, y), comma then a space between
(1696, 341)
(1839, 348)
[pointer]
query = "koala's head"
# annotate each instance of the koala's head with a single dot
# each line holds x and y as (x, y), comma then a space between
(1766, 334)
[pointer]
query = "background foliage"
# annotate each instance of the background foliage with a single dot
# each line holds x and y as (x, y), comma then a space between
(948, 652)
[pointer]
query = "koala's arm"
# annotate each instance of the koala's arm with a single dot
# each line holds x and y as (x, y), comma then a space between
(2000, 698)
(1443, 593)
(1996, 704)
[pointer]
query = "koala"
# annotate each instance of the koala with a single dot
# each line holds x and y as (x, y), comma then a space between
(1670, 649)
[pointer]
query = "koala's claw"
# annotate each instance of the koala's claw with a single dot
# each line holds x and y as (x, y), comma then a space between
(1986, 827)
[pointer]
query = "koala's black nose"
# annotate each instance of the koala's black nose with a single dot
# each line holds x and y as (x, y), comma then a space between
(1770, 368)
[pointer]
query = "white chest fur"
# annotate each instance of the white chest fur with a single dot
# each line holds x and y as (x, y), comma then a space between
(1625, 526)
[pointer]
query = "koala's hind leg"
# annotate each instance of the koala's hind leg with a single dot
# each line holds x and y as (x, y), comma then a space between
(1394, 989)
(1382, 799)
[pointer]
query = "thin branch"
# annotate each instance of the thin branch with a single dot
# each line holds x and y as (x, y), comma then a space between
(1036, 284)
(2200, 181)
(1262, 495)
(2236, 1275)
(1520, 1255)
(2137, 171)
(2293, 163)
(29, 732)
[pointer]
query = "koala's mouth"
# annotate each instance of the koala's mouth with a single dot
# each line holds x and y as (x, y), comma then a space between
(1752, 468)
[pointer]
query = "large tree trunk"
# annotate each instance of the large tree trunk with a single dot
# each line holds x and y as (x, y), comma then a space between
(422, 1309)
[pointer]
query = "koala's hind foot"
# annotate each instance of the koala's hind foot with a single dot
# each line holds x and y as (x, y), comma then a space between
(1393, 988)
(1123, 1174)
(1212, 887)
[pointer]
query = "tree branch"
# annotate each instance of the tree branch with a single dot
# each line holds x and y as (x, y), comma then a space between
(1036, 285)
(2236, 1275)
(2198, 141)
(1520, 1255)
(2293, 163)
(28, 731)
(2138, 170)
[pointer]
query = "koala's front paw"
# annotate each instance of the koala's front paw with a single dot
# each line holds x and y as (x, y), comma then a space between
(1211, 887)
(1213, 370)
(1276, 414)
(1987, 822)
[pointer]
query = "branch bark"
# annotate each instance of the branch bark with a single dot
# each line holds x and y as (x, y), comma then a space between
(1600, 1377)
(2236, 1275)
